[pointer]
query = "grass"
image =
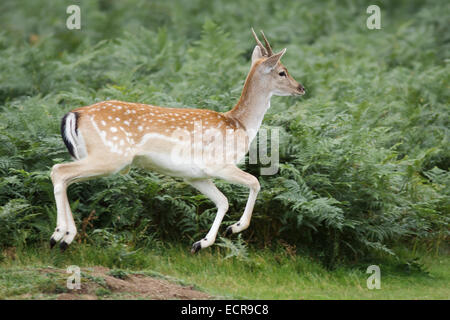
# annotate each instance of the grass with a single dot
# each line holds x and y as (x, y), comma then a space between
(263, 274)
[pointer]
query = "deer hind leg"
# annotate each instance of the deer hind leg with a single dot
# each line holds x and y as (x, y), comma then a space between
(233, 174)
(62, 176)
(209, 189)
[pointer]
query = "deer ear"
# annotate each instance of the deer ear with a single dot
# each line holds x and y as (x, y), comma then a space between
(257, 54)
(272, 61)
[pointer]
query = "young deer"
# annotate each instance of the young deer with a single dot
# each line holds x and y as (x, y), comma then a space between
(110, 136)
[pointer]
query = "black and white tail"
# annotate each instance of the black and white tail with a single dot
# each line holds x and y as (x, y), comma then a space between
(71, 135)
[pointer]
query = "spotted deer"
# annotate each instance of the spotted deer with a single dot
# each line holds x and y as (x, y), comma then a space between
(111, 136)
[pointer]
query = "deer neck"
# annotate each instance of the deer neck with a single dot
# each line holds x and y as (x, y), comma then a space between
(252, 105)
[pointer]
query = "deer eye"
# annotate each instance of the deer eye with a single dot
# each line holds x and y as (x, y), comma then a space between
(282, 74)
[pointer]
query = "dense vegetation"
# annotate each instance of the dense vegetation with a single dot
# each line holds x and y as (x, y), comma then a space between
(364, 155)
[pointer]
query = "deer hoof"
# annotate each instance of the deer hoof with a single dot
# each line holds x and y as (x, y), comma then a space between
(63, 246)
(52, 243)
(196, 247)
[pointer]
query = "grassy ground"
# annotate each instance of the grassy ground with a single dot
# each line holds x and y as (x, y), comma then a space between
(260, 274)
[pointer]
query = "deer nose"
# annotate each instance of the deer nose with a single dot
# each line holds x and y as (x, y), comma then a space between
(301, 88)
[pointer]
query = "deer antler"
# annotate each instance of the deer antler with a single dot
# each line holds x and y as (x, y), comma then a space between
(260, 45)
(268, 48)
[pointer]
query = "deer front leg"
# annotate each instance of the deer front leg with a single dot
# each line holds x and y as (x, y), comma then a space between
(208, 188)
(235, 175)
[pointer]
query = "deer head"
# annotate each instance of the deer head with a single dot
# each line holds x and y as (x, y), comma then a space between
(272, 75)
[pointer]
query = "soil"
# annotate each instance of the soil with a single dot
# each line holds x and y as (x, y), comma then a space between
(99, 283)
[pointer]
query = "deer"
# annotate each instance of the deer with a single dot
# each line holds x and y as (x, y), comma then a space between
(112, 136)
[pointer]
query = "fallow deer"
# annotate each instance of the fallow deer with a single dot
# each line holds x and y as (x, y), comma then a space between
(110, 136)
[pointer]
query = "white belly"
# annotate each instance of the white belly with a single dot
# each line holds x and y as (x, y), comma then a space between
(186, 159)
(165, 165)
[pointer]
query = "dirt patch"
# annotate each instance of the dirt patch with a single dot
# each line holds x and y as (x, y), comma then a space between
(103, 283)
